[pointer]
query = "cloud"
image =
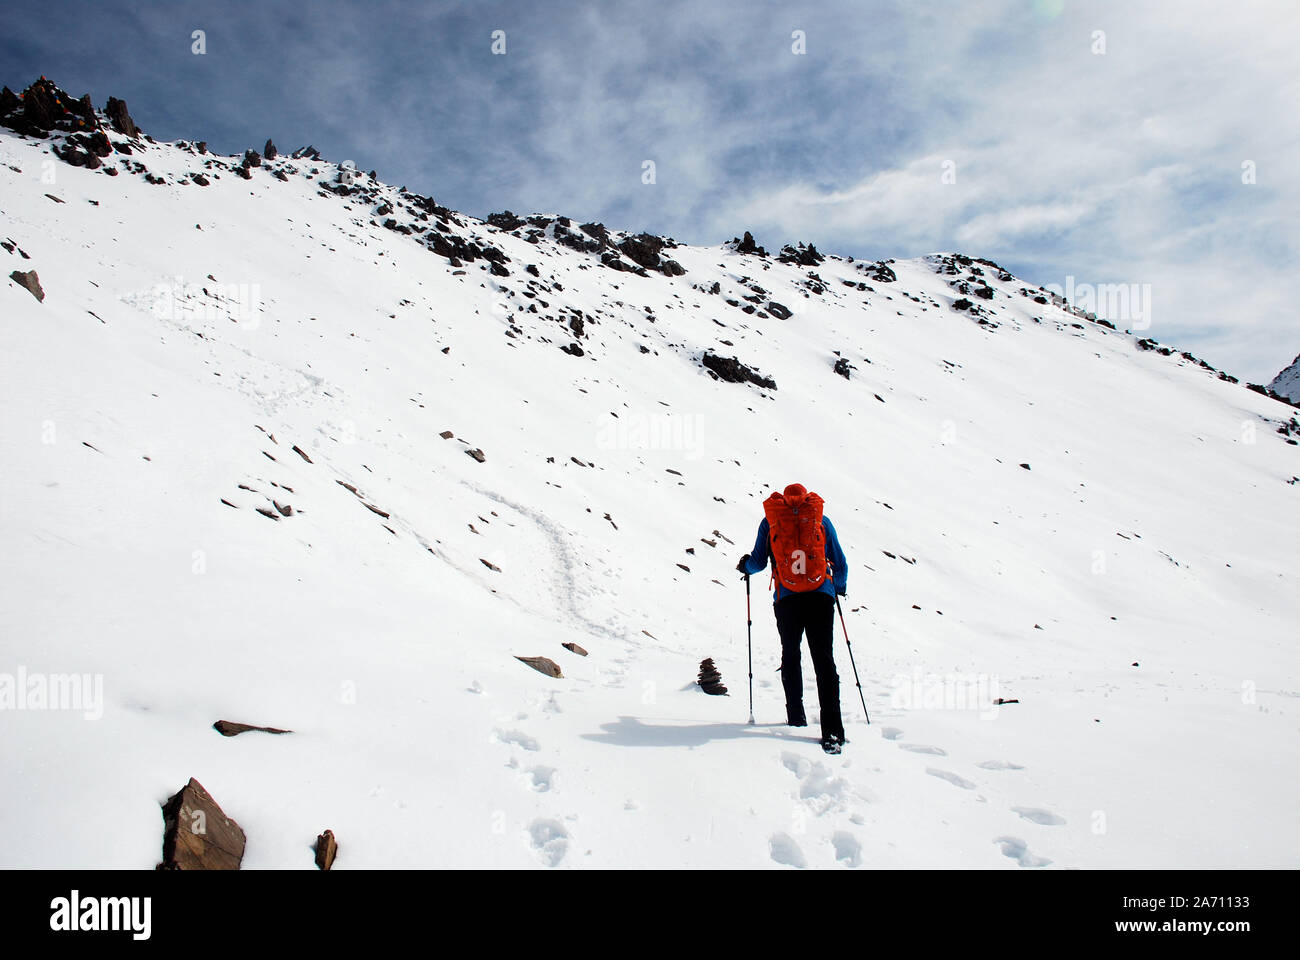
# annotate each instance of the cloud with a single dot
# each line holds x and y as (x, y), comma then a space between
(1117, 166)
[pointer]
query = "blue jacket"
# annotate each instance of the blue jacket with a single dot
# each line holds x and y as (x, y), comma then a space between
(758, 558)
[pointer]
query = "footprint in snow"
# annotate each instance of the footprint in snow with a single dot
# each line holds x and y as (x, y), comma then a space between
(784, 850)
(952, 778)
(847, 848)
(1018, 850)
(891, 733)
(999, 765)
(541, 778)
(516, 737)
(923, 748)
(1036, 815)
(549, 840)
(822, 790)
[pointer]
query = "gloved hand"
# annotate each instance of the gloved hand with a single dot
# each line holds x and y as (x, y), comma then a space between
(842, 593)
(741, 565)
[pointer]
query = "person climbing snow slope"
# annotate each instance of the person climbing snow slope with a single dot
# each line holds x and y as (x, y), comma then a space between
(808, 571)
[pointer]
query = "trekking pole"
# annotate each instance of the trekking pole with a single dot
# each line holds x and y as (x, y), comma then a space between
(749, 631)
(855, 666)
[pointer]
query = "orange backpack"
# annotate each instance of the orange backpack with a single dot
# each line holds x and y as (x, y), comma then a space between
(798, 541)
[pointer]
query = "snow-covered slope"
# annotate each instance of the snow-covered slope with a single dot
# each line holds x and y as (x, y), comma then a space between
(1287, 383)
(1034, 508)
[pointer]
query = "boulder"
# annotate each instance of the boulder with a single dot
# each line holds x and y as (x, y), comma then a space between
(197, 834)
(327, 849)
(543, 665)
(30, 282)
(573, 647)
(269, 151)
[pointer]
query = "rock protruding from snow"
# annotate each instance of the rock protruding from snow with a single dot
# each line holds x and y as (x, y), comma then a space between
(228, 728)
(804, 256)
(120, 118)
(710, 680)
(327, 849)
(747, 245)
(30, 282)
(1287, 383)
(732, 370)
(543, 665)
(197, 834)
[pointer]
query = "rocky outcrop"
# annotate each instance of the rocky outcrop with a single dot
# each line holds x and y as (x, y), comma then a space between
(804, 256)
(732, 370)
(505, 221)
(747, 245)
(120, 118)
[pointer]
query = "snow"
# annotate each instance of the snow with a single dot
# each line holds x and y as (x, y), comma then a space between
(1155, 526)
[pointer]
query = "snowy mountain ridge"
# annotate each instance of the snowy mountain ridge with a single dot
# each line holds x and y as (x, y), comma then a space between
(1287, 383)
(287, 445)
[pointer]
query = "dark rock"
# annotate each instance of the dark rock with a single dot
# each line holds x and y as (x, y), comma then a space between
(598, 232)
(269, 151)
(121, 120)
(543, 665)
(746, 244)
(30, 282)
(505, 221)
(446, 434)
(202, 146)
(573, 350)
(326, 850)
(805, 256)
(710, 680)
(962, 304)
(574, 648)
(477, 454)
(843, 367)
(228, 728)
(779, 310)
(252, 158)
(732, 370)
(1024, 466)
(197, 834)
(643, 249)
(672, 268)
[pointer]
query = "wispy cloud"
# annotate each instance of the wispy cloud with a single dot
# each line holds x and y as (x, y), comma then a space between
(999, 128)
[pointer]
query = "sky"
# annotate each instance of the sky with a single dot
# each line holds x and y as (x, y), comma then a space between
(1148, 146)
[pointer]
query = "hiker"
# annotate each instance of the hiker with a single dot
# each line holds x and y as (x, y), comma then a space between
(808, 571)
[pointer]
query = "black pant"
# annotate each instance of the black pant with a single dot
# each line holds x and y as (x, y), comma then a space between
(812, 613)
